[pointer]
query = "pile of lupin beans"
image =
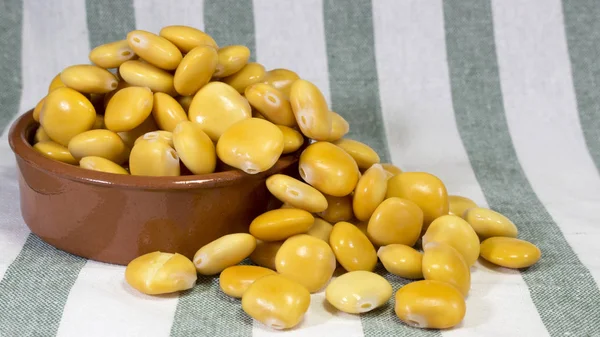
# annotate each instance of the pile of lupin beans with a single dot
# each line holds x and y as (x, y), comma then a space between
(179, 100)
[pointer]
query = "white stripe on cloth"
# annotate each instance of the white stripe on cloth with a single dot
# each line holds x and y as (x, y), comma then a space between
(295, 39)
(541, 112)
(49, 45)
(152, 15)
(100, 292)
(422, 136)
(291, 34)
(46, 50)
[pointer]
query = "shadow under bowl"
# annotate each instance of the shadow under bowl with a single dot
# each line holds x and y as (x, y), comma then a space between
(115, 218)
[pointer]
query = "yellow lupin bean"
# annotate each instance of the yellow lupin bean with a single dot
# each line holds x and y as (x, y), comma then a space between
(510, 252)
(89, 79)
(276, 302)
(122, 84)
(37, 109)
(161, 273)
(357, 292)
(391, 169)
(430, 304)
(186, 38)
(311, 110)
(364, 155)
(153, 158)
(154, 49)
(128, 108)
(369, 192)
(306, 260)
(167, 112)
(185, 102)
(296, 193)
(231, 59)
(56, 83)
(235, 280)
(396, 220)
(99, 122)
(130, 137)
(195, 70)
(53, 150)
(329, 169)
(280, 224)
(444, 263)
(292, 139)
(271, 104)
(99, 143)
(338, 209)
(281, 79)
(458, 205)
(265, 252)
(159, 135)
(488, 223)
(40, 135)
(402, 260)
(112, 54)
(424, 189)
(101, 164)
(339, 127)
(456, 232)
(352, 248)
(194, 147)
(252, 145)
(320, 229)
(65, 114)
(251, 73)
(217, 106)
(141, 74)
(363, 225)
(223, 252)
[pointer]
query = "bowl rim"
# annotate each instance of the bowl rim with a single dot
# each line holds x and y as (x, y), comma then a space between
(22, 148)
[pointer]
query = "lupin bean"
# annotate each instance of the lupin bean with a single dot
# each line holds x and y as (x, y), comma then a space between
(276, 301)
(296, 193)
(352, 248)
(226, 251)
(141, 74)
(265, 252)
(154, 49)
(510, 252)
(251, 73)
(396, 220)
(329, 169)
(357, 292)
(235, 280)
(194, 147)
(292, 139)
(167, 112)
(231, 59)
(38, 109)
(391, 169)
(186, 38)
(40, 135)
(252, 145)
(101, 164)
(364, 155)
(444, 263)
(153, 158)
(369, 192)
(65, 114)
(217, 106)
(160, 135)
(456, 232)
(281, 79)
(402, 260)
(280, 224)
(53, 150)
(99, 143)
(271, 104)
(128, 108)
(160, 273)
(306, 260)
(195, 70)
(311, 110)
(338, 209)
(112, 54)
(458, 205)
(130, 137)
(488, 223)
(339, 127)
(89, 79)
(55, 83)
(320, 229)
(185, 102)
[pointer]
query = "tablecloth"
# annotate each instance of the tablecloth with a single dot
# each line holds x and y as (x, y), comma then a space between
(498, 98)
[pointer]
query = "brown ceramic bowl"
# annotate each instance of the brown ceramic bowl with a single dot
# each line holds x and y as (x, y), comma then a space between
(115, 218)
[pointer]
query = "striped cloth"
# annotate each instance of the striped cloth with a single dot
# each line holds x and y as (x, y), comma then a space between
(499, 98)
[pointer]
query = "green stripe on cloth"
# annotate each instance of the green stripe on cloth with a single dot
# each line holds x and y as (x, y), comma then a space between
(582, 30)
(35, 288)
(355, 95)
(11, 26)
(202, 310)
(353, 71)
(231, 22)
(109, 20)
(561, 287)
